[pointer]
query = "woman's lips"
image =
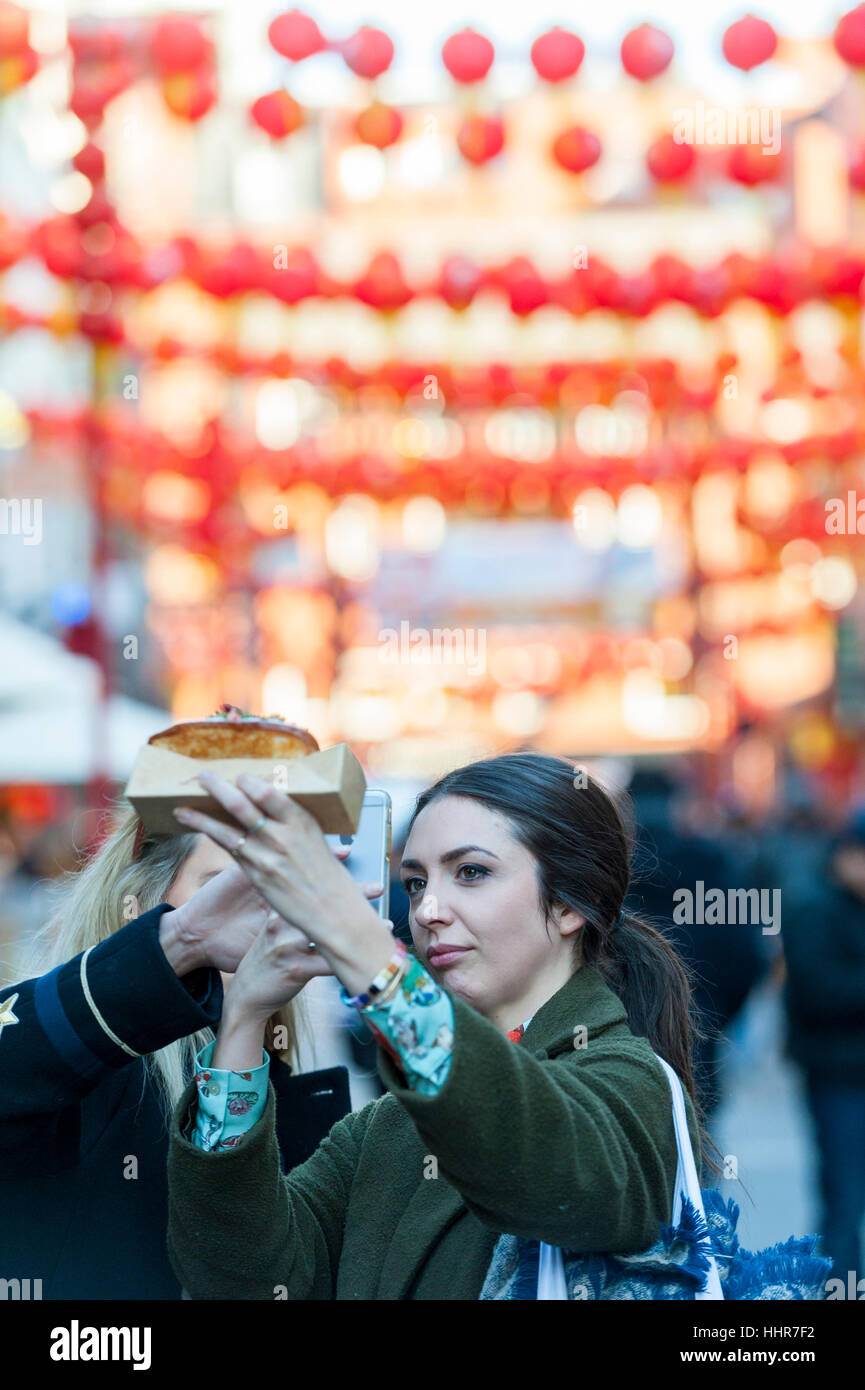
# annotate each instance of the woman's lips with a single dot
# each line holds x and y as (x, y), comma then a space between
(439, 957)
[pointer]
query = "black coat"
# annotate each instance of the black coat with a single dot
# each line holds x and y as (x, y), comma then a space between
(823, 937)
(83, 1134)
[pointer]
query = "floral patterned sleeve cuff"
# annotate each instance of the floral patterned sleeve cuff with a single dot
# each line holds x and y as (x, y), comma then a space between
(229, 1102)
(416, 1027)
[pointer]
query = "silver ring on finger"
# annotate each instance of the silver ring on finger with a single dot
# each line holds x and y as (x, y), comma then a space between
(239, 846)
(258, 824)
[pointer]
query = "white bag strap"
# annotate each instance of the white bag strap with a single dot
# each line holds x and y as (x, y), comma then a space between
(551, 1264)
(687, 1181)
(551, 1273)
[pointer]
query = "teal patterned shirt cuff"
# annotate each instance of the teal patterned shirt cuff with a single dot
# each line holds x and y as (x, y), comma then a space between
(229, 1102)
(416, 1027)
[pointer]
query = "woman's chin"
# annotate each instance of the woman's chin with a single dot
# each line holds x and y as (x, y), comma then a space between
(459, 983)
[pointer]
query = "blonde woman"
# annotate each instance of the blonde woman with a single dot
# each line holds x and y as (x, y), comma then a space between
(98, 1045)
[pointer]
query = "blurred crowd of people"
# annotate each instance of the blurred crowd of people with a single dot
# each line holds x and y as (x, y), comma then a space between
(815, 861)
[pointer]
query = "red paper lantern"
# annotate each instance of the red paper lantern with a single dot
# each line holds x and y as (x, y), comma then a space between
(856, 169)
(98, 208)
(646, 52)
(95, 45)
(526, 290)
(12, 243)
(87, 100)
(849, 37)
(178, 44)
(379, 125)
(369, 52)
(383, 285)
(277, 113)
(189, 95)
(90, 161)
(239, 270)
(16, 69)
(95, 85)
(600, 282)
(298, 278)
(468, 56)
(103, 328)
(34, 804)
(772, 285)
(752, 164)
(708, 291)
(639, 294)
(576, 149)
(459, 281)
(295, 36)
(749, 42)
(669, 160)
(557, 54)
(56, 242)
(481, 138)
(14, 30)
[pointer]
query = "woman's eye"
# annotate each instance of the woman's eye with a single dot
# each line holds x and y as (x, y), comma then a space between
(408, 886)
(477, 871)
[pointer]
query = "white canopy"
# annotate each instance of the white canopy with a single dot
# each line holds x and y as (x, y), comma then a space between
(51, 728)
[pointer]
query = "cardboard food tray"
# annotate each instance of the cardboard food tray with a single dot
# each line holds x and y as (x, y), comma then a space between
(329, 784)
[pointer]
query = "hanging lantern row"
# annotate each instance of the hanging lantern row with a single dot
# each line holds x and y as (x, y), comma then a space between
(468, 56)
(646, 51)
(556, 55)
(554, 385)
(107, 59)
(227, 465)
(481, 137)
(177, 50)
(106, 63)
(781, 282)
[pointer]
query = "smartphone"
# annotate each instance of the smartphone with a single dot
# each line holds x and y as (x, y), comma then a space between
(369, 861)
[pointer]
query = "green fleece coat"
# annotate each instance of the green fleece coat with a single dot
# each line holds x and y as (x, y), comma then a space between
(405, 1198)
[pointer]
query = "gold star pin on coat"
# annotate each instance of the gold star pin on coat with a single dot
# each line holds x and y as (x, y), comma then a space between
(6, 1014)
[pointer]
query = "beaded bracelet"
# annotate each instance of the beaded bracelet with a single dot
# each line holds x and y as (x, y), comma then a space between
(383, 979)
(392, 990)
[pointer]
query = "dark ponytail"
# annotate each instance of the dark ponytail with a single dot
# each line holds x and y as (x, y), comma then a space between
(576, 833)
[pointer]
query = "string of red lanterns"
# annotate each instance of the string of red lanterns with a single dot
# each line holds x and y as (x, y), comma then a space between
(227, 460)
(781, 281)
(547, 386)
(107, 59)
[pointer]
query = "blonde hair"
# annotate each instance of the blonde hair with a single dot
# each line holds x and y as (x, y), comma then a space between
(131, 872)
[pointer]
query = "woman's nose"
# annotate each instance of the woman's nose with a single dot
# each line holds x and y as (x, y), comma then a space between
(429, 909)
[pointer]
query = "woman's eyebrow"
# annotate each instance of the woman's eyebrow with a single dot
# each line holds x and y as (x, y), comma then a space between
(451, 854)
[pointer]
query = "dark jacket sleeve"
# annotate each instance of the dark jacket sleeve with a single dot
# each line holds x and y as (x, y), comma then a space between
(275, 1236)
(83, 1022)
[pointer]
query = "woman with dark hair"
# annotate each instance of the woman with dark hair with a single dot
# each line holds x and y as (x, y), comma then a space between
(516, 872)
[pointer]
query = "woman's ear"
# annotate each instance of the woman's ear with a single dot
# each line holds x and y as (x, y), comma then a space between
(567, 919)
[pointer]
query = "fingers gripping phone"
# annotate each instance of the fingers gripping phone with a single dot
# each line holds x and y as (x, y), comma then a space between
(369, 861)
